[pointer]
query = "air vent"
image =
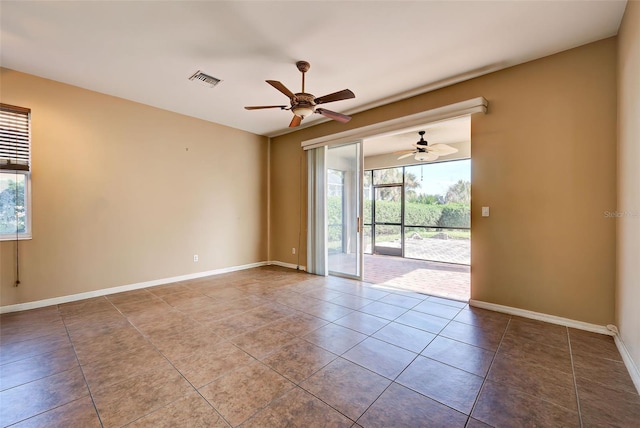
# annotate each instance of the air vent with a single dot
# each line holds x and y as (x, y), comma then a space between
(204, 79)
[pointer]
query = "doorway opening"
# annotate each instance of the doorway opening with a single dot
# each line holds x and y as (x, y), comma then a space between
(417, 214)
(373, 215)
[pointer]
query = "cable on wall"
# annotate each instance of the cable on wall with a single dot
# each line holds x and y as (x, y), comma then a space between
(299, 206)
(15, 212)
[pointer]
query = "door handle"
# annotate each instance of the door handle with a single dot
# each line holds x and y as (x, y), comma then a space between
(359, 228)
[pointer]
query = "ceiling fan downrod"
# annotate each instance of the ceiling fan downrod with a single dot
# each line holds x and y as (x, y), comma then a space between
(303, 67)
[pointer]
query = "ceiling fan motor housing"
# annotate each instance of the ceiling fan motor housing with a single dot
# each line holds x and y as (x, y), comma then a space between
(303, 104)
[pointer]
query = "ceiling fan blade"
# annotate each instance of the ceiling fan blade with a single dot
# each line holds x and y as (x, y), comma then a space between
(345, 94)
(333, 115)
(442, 149)
(261, 107)
(279, 86)
(406, 155)
(295, 121)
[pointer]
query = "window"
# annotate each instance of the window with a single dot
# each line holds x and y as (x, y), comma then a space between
(335, 210)
(15, 172)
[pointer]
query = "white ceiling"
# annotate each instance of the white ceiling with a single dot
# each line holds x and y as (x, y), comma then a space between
(382, 50)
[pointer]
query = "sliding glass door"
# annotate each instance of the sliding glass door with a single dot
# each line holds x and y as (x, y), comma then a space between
(344, 210)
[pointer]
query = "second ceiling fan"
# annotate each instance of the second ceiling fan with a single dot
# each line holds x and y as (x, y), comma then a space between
(424, 152)
(303, 104)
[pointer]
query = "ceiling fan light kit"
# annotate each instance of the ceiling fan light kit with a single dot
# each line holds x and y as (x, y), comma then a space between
(425, 157)
(303, 104)
(425, 153)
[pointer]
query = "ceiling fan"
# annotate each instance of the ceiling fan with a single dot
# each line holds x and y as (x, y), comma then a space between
(424, 152)
(303, 104)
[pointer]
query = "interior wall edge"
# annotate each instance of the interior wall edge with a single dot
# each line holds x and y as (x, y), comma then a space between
(627, 359)
(627, 286)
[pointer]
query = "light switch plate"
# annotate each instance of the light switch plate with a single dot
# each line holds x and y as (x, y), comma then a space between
(485, 211)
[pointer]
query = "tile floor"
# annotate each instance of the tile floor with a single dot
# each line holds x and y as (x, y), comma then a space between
(271, 347)
(451, 281)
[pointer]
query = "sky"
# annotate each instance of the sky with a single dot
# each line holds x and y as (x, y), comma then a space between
(437, 177)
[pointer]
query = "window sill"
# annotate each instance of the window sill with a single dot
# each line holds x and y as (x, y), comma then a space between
(21, 237)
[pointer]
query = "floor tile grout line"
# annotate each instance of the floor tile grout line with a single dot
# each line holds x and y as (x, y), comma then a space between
(264, 407)
(84, 377)
(357, 331)
(53, 374)
(175, 368)
(450, 365)
(575, 381)
(294, 383)
(439, 334)
(321, 400)
(486, 376)
(436, 335)
(34, 355)
(373, 402)
(337, 410)
(47, 411)
(3, 340)
(37, 379)
(547, 400)
(299, 384)
(394, 380)
(235, 369)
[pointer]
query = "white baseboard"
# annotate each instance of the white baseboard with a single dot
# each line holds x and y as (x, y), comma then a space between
(542, 317)
(610, 330)
(632, 368)
(129, 287)
(287, 265)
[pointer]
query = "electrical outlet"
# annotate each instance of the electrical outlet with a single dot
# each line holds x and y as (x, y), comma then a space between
(293, 250)
(195, 257)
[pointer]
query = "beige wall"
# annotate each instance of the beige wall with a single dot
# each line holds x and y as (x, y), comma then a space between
(628, 273)
(118, 199)
(543, 159)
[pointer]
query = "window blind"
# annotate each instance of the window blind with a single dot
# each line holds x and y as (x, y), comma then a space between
(15, 144)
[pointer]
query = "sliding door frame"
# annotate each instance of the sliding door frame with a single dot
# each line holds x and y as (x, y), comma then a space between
(451, 111)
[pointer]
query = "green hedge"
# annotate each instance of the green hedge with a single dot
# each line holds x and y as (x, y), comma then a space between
(416, 214)
(334, 216)
(455, 215)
